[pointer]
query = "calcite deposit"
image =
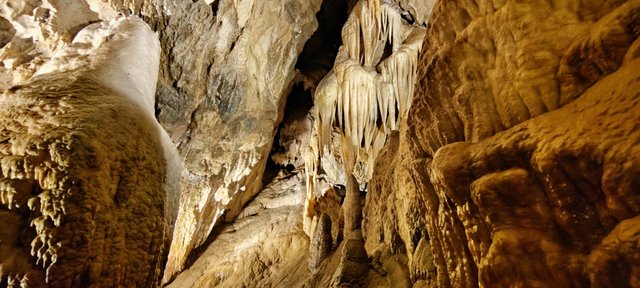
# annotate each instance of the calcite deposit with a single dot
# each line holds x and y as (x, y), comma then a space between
(85, 192)
(221, 94)
(322, 143)
(508, 157)
(218, 97)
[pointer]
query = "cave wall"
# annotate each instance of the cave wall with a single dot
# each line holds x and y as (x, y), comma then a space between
(226, 69)
(518, 165)
(221, 96)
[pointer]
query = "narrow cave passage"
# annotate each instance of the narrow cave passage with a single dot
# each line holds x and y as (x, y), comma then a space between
(320, 50)
(291, 138)
(315, 61)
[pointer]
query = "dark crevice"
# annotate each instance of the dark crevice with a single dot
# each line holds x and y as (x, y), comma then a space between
(290, 167)
(299, 102)
(388, 50)
(199, 250)
(297, 107)
(233, 45)
(6, 32)
(271, 169)
(319, 53)
(379, 121)
(314, 62)
(350, 5)
(407, 17)
(214, 7)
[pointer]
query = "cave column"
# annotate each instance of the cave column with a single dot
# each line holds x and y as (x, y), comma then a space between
(351, 209)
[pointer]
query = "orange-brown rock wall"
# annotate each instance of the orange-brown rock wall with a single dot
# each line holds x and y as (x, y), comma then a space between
(519, 164)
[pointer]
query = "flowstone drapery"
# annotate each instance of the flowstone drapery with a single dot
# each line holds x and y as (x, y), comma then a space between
(361, 101)
(88, 177)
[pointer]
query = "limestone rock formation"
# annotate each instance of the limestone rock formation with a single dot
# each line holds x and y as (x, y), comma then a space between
(225, 71)
(403, 143)
(563, 190)
(220, 96)
(359, 103)
(265, 246)
(85, 172)
(527, 197)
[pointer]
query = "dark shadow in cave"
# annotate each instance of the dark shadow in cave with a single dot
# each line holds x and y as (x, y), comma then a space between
(299, 102)
(314, 62)
(320, 51)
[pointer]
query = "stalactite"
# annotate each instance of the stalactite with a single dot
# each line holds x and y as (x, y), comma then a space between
(364, 97)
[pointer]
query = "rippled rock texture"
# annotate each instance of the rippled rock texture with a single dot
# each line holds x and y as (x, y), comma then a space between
(85, 180)
(82, 197)
(521, 154)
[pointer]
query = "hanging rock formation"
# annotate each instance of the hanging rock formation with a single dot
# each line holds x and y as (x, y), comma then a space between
(359, 103)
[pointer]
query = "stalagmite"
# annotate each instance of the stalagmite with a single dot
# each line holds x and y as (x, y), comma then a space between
(363, 98)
